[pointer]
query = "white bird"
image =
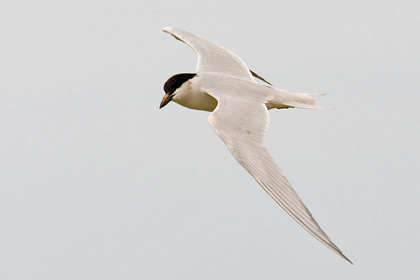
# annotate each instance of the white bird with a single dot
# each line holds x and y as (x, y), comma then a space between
(223, 85)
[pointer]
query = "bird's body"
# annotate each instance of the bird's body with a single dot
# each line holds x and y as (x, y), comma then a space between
(193, 94)
(225, 86)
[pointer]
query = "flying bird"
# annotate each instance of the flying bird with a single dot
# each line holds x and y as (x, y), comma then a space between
(224, 85)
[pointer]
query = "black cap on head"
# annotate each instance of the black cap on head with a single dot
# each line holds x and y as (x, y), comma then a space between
(176, 81)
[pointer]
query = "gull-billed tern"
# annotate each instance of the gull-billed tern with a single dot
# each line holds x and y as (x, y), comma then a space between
(224, 85)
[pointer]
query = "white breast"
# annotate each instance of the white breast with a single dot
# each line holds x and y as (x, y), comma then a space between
(191, 96)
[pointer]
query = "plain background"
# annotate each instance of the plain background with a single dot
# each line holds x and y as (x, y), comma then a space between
(97, 183)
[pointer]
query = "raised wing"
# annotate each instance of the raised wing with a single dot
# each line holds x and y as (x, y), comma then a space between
(211, 57)
(241, 123)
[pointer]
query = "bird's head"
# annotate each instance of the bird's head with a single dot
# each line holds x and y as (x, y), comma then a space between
(172, 85)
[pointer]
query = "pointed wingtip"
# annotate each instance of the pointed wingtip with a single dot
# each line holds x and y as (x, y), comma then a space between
(339, 252)
(347, 259)
(172, 31)
(166, 29)
(259, 77)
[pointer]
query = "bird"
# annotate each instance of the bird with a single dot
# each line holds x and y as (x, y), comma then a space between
(223, 85)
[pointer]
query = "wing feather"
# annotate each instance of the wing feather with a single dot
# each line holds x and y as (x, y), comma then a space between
(242, 125)
(211, 57)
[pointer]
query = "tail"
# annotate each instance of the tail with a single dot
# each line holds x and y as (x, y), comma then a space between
(305, 101)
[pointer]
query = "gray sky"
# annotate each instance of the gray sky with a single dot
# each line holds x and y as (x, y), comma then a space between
(97, 183)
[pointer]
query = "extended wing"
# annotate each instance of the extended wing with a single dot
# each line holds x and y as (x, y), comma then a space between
(213, 58)
(240, 120)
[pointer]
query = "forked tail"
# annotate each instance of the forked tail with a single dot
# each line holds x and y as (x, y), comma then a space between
(305, 101)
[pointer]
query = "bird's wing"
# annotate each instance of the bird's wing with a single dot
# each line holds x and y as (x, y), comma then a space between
(240, 120)
(211, 57)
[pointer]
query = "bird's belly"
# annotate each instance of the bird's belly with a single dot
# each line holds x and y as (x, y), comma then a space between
(197, 101)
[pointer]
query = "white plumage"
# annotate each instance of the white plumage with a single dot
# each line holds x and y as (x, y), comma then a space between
(225, 86)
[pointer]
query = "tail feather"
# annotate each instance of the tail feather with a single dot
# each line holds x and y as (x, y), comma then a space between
(285, 99)
(306, 101)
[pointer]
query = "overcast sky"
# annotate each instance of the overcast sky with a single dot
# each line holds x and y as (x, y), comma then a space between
(97, 183)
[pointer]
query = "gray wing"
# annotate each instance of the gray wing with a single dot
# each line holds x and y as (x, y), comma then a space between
(213, 58)
(241, 124)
